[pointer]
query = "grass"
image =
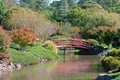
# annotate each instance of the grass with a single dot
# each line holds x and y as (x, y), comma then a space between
(41, 52)
(31, 55)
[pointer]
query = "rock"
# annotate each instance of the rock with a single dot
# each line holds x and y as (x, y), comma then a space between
(43, 60)
(17, 66)
(104, 77)
(4, 66)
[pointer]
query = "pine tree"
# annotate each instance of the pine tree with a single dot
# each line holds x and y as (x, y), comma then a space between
(71, 3)
(63, 10)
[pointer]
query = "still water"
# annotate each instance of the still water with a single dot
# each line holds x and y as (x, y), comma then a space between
(69, 67)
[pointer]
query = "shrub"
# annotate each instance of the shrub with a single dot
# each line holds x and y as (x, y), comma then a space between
(23, 36)
(118, 77)
(110, 63)
(94, 42)
(5, 40)
(104, 45)
(56, 37)
(103, 34)
(116, 41)
(15, 46)
(114, 52)
(51, 46)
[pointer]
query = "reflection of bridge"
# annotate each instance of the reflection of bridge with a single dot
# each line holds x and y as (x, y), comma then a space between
(72, 43)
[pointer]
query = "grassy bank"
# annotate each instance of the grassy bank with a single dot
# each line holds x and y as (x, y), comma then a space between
(31, 55)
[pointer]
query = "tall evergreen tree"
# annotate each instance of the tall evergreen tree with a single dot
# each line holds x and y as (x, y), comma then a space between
(63, 10)
(35, 4)
(71, 3)
(60, 10)
(110, 5)
(80, 2)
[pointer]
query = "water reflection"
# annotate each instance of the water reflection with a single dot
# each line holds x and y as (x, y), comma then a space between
(67, 68)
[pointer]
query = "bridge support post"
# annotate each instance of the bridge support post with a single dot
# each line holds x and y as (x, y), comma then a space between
(64, 50)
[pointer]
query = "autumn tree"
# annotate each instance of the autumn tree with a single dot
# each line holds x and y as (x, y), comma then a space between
(23, 36)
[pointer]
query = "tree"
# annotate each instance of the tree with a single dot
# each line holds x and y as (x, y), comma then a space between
(5, 40)
(78, 17)
(103, 34)
(72, 3)
(9, 3)
(63, 10)
(93, 6)
(81, 2)
(60, 10)
(18, 16)
(2, 10)
(23, 36)
(35, 4)
(110, 5)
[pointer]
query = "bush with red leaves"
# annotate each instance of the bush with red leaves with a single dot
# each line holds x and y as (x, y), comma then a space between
(23, 36)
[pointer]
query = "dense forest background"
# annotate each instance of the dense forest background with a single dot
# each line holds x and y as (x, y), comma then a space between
(88, 19)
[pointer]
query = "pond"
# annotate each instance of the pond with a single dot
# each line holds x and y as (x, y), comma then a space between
(69, 67)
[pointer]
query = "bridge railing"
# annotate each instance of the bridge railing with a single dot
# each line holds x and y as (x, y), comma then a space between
(72, 42)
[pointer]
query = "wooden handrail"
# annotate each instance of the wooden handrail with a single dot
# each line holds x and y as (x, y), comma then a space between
(72, 43)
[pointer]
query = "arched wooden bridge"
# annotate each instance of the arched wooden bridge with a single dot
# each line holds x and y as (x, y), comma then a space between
(72, 43)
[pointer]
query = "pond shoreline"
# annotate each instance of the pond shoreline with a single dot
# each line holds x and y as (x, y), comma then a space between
(11, 66)
(4, 66)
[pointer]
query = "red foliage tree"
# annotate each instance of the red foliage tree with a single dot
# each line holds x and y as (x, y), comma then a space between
(23, 36)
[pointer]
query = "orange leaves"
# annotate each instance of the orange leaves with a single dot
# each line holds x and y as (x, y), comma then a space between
(23, 36)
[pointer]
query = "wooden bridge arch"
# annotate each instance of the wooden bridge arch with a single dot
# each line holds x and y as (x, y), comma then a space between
(72, 43)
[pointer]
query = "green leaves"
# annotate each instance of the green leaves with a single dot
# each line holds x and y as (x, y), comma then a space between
(5, 40)
(78, 17)
(2, 10)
